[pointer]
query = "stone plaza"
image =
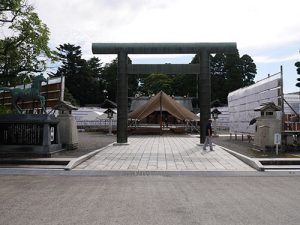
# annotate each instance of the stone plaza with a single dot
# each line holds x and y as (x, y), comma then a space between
(163, 153)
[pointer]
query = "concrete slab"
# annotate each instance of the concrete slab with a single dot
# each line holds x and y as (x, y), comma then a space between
(151, 200)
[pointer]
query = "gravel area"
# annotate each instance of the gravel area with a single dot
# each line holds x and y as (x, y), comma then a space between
(243, 147)
(248, 149)
(88, 142)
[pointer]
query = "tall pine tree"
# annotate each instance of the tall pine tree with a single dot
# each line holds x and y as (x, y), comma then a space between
(83, 78)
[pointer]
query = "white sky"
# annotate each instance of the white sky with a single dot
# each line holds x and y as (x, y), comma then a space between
(269, 31)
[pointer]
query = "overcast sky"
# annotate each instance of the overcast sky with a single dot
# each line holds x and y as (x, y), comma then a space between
(268, 31)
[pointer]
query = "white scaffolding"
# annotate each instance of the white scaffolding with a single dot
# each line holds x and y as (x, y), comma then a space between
(242, 102)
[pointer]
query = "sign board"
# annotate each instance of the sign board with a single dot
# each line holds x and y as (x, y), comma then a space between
(277, 139)
(52, 134)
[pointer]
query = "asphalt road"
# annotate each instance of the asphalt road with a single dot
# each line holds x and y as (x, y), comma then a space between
(43, 200)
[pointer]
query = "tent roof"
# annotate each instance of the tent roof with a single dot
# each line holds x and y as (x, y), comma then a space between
(139, 101)
(167, 103)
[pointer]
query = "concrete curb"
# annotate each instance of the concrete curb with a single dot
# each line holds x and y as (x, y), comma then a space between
(254, 163)
(110, 173)
(75, 162)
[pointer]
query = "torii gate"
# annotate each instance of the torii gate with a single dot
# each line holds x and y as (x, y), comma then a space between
(202, 69)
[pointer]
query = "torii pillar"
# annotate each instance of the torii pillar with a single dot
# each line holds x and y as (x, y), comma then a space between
(204, 93)
(122, 98)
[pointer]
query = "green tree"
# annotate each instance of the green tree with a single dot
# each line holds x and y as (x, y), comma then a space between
(155, 83)
(95, 66)
(184, 85)
(248, 70)
(83, 78)
(109, 75)
(24, 46)
(297, 64)
(218, 78)
(233, 75)
(228, 73)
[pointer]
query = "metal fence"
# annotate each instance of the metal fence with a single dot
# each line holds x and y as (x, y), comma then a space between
(21, 134)
(102, 123)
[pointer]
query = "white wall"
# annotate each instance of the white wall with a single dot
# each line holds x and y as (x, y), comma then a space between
(87, 113)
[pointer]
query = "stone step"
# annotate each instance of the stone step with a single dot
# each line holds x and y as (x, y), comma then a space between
(282, 167)
(35, 161)
(32, 166)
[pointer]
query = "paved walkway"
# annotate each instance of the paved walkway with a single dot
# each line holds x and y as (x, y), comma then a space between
(163, 153)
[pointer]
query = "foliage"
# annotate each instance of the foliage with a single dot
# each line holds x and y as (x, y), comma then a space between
(248, 70)
(5, 110)
(184, 85)
(83, 77)
(87, 81)
(229, 72)
(24, 46)
(154, 83)
(90, 83)
(109, 76)
(69, 97)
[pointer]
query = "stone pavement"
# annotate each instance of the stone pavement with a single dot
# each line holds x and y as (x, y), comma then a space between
(163, 153)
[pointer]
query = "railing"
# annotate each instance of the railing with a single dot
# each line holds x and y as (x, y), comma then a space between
(103, 123)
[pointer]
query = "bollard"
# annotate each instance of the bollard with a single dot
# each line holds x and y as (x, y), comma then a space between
(242, 137)
(235, 136)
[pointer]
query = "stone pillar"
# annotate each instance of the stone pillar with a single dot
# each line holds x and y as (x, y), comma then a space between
(122, 98)
(68, 131)
(46, 136)
(204, 92)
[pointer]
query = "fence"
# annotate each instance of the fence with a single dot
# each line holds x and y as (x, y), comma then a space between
(101, 123)
(21, 134)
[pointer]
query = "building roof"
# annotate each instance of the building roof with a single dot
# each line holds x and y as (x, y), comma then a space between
(166, 103)
(64, 105)
(269, 106)
(140, 101)
(108, 104)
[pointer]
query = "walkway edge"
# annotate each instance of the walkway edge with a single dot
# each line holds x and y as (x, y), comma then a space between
(75, 162)
(254, 163)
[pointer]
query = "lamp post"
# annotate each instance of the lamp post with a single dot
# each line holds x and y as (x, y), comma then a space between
(110, 115)
(215, 114)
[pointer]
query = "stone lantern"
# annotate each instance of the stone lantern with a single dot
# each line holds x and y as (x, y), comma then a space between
(109, 105)
(215, 114)
(67, 125)
(267, 125)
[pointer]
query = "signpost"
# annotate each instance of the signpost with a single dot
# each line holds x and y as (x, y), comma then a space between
(277, 141)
